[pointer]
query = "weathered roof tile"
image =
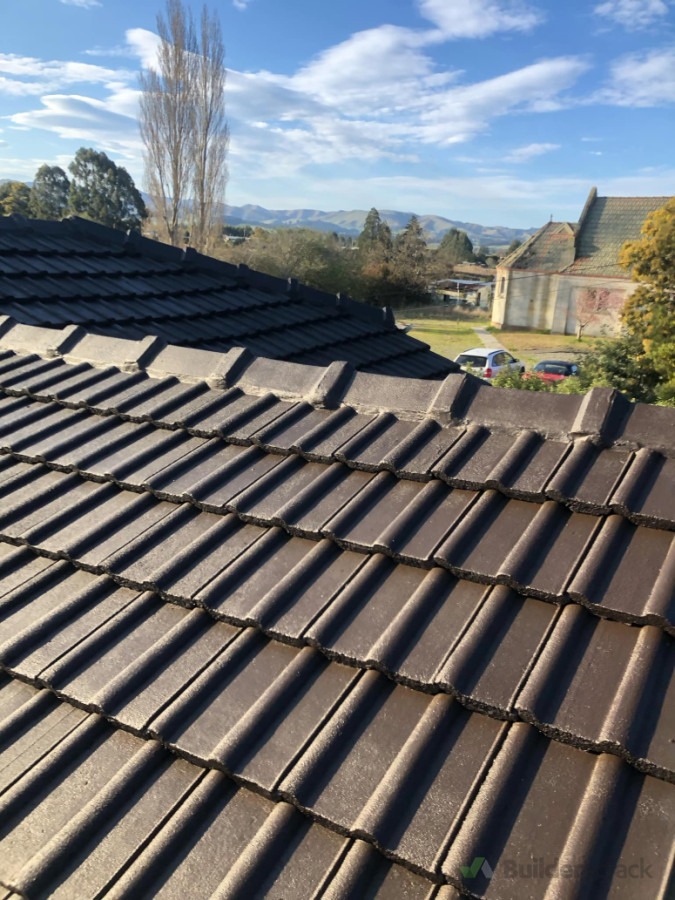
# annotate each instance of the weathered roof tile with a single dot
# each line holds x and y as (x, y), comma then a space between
(407, 635)
(57, 273)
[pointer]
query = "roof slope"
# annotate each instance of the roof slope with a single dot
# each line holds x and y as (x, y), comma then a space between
(57, 273)
(591, 246)
(607, 224)
(551, 249)
(335, 639)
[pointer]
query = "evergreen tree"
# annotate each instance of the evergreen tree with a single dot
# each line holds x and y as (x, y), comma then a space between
(455, 247)
(376, 234)
(49, 193)
(104, 192)
(384, 245)
(14, 198)
(411, 248)
(515, 243)
(410, 263)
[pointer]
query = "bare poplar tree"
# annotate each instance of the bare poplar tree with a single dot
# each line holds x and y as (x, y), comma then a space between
(166, 118)
(210, 133)
(183, 126)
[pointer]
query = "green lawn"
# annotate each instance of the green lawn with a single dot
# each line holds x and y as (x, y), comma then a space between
(451, 336)
(533, 346)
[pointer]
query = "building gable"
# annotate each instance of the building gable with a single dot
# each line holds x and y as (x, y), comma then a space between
(549, 250)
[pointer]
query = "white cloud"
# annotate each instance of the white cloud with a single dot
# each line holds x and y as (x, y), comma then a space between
(479, 18)
(462, 112)
(383, 74)
(491, 198)
(303, 127)
(562, 196)
(240, 4)
(633, 15)
(83, 4)
(641, 79)
(143, 44)
(268, 97)
(73, 117)
(379, 95)
(107, 51)
(15, 88)
(25, 75)
(525, 154)
(381, 71)
(24, 169)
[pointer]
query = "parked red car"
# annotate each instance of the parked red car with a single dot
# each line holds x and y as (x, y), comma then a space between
(554, 369)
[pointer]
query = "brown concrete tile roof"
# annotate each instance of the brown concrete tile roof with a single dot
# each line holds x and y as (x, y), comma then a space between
(76, 271)
(277, 630)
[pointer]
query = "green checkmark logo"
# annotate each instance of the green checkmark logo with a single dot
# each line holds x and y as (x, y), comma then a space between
(472, 870)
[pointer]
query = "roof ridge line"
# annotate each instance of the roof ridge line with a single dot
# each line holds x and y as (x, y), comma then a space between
(600, 415)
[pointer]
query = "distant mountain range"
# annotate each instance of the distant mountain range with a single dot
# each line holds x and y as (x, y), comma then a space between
(350, 222)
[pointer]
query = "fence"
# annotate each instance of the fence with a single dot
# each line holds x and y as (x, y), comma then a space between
(437, 311)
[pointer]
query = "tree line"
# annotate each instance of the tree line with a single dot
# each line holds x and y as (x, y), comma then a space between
(98, 189)
(378, 267)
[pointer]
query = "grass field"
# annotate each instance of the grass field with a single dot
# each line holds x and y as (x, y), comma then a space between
(451, 336)
(533, 346)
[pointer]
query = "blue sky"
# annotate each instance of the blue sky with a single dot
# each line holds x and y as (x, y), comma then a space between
(488, 111)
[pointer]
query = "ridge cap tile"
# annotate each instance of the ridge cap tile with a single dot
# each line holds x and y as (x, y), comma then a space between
(602, 415)
(581, 476)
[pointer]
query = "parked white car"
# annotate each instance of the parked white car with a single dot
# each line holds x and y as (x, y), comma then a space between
(487, 363)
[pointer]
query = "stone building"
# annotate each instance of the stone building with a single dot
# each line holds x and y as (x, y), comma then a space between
(567, 276)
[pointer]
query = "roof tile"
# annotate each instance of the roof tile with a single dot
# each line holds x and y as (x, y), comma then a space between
(342, 610)
(54, 274)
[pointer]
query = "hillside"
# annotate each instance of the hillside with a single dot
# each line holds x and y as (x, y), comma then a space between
(351, 222)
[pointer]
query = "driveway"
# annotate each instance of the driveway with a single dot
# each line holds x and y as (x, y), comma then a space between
(488, 339)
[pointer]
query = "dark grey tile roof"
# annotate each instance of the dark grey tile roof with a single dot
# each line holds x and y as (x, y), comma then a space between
(273, 630)
(75, 271)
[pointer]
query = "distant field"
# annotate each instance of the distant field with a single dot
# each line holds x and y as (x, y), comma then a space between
(451, 336)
